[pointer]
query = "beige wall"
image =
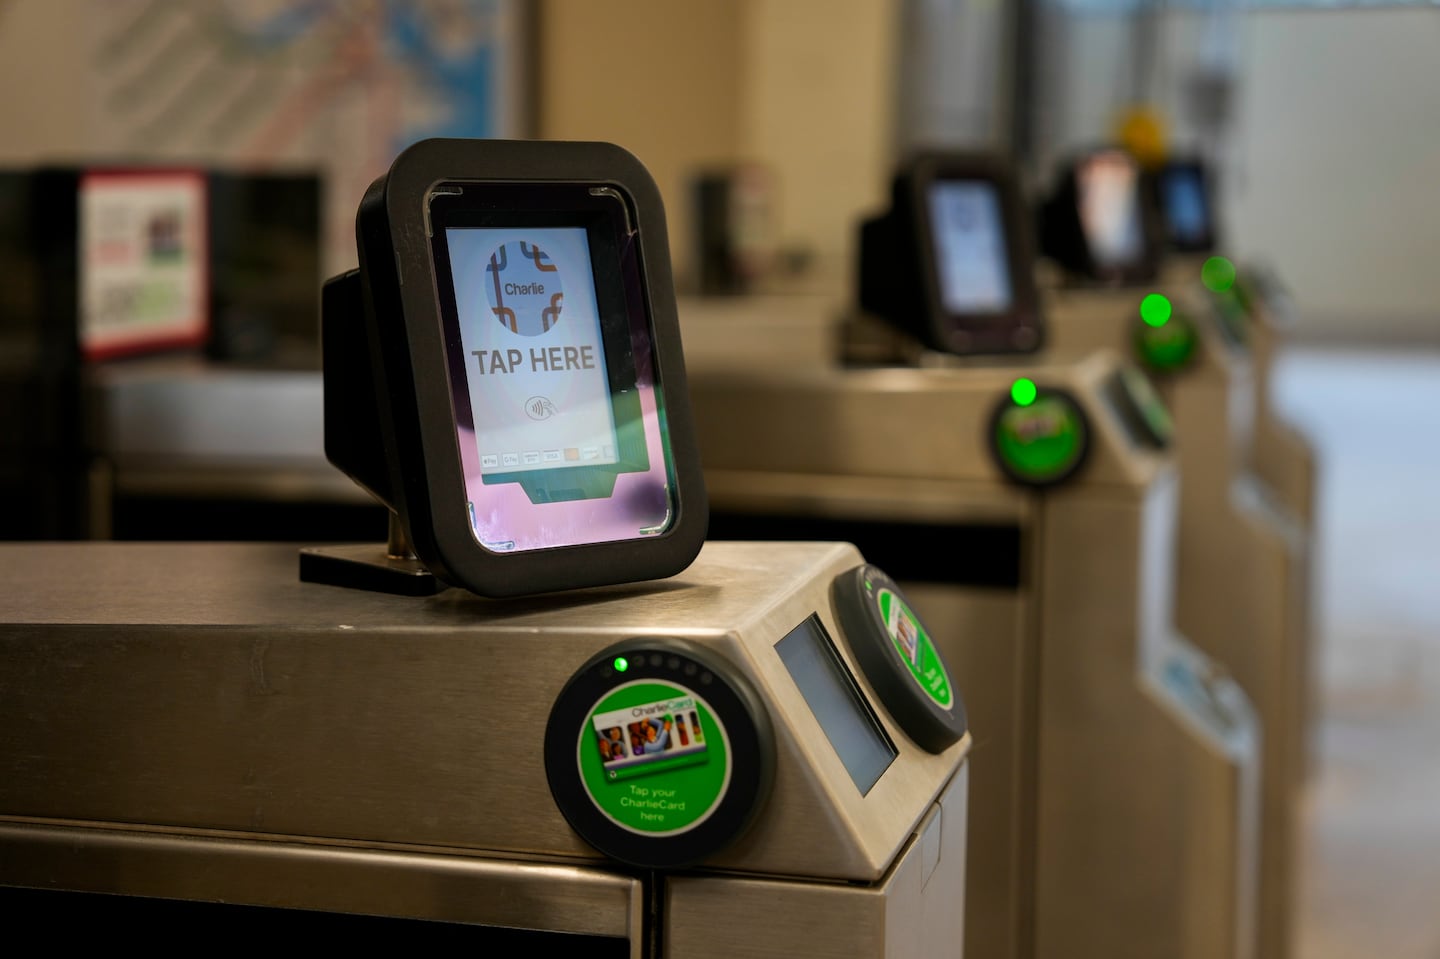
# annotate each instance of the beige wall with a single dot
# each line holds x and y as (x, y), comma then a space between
(821, 87)
(42, 74)
(802, 86)
(659, 78)
(1330, 168)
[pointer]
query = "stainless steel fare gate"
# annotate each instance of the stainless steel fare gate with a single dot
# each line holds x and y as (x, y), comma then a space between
(188, 731)
(1114, 784)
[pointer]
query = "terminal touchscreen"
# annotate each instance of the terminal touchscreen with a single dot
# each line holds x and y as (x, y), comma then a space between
(1185, 204)
(949, 261)
(548, 400)
(1097, 222)
(522, 342)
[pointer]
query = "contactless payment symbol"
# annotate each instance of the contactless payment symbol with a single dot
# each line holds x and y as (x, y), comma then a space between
(524, 290)
(654, 758)
(913, 644)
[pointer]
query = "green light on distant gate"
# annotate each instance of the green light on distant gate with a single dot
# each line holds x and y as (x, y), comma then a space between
(1218, 274)
(1023, 391)
(621, 664)
(1155, 310)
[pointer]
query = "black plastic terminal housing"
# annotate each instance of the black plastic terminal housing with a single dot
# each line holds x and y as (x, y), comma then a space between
(410, 395)
(1099, 222)
(951, 261)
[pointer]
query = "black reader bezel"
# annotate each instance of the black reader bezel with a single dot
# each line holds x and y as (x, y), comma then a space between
(1062, 231)
(729, 692)
(931, 726)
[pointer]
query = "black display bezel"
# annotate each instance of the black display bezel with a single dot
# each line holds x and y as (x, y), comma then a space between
(1018, 327)
(407, 347)
(729, 693)
(899, 273)
(1063, 235)
(932, 727)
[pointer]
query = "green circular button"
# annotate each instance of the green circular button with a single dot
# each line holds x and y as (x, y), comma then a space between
(654, 758)
(1042, 443)
(1218, 274)
(658, 752)
(1168, 346)
(899, 657)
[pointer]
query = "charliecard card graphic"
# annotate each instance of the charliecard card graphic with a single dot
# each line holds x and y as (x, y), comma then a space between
(650, 737)
(654, 757)
(903, 630)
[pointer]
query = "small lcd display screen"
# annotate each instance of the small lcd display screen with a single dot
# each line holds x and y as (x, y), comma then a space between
(833, 696)
(557, 412)
(971, 264)
(1187, 209)
(1109, 196)
(1139, 408)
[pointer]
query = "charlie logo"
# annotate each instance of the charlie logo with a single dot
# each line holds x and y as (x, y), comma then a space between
(524, 289)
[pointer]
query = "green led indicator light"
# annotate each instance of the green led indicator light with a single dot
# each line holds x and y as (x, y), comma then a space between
(1218, 274)
(621, 664)
(1023, 392)
(1155, 310)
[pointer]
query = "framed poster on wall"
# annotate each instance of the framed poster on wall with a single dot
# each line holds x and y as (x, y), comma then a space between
(143, 261)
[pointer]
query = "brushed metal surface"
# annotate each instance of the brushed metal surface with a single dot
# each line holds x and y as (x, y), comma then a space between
(1134, 835)
(414, 885)
(179, 426)
(909, 913)
(1286, 460)
(989, 640)
(776, 330)
(203, 687)
(901, 423)
(1239, 571)
(1128, 774)
(186, 408)
(882, 498)
(1241, 595)
(1288, 463)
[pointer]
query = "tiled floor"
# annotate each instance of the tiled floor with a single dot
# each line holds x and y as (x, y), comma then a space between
(1371, 871)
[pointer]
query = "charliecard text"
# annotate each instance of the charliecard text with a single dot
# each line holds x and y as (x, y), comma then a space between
(661, 800)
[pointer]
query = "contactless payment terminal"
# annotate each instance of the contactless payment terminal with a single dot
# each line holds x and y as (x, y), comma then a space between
(504, 370)
(1165, 338)
(899, 657)
(658, 753)
(949, 261)
(1039, 436)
